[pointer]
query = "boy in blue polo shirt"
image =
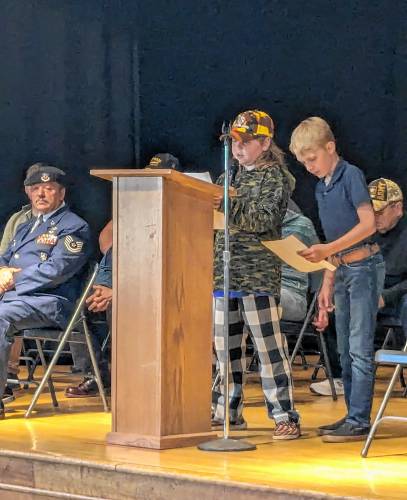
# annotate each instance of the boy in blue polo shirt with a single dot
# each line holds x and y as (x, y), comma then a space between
(347, 218)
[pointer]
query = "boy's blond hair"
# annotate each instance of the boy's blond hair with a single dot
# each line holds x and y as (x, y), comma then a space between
(312, 133)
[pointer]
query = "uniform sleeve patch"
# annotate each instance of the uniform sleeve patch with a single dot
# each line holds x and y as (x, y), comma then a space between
(73, 246)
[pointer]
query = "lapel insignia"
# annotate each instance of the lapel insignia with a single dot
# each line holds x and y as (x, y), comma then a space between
(43, 256)
(71, 245)
(47, 239)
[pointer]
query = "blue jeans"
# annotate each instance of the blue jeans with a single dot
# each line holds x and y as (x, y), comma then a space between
(357, 290)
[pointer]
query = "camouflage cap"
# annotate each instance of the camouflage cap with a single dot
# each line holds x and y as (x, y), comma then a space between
(164, 160)
(383, 192)
(251, 125)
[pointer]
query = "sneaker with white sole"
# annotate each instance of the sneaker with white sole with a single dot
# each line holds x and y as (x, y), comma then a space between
(324, 389)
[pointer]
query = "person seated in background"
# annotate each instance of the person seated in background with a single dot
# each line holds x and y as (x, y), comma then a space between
(391, 223)
(294, 284)
(40, 270)
(18, 218)
(99, 301)
(294, 289)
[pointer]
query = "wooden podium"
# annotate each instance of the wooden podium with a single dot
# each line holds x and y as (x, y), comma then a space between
(162, 308)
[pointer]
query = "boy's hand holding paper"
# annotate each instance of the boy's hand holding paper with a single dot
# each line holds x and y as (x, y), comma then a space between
(290, 251)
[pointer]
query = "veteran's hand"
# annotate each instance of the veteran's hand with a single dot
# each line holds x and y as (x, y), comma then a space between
(100, 299)
(7, 277)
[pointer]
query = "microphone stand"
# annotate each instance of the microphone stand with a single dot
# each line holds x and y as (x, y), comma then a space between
(226, 443)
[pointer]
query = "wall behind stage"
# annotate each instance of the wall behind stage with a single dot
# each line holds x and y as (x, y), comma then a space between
(204, 62)
(68, 95)
(111, 82)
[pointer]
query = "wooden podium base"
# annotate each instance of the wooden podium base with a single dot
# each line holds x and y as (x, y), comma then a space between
(159, 442)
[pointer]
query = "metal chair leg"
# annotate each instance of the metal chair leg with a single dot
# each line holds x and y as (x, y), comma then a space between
(327, 365)
(44, 364)
(302, 332)
(96, 370)
(379, 416)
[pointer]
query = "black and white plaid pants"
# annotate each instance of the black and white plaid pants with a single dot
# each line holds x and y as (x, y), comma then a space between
(260, 316)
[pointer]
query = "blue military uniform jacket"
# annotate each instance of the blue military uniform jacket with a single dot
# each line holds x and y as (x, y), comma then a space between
(51, 258)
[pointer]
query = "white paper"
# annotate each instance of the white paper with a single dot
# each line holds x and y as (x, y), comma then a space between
(202, 176)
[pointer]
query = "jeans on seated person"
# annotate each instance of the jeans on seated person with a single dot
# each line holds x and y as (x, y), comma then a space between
(294, 305)
(358, 287)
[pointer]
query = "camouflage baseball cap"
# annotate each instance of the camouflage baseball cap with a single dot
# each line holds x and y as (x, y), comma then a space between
(383, 192)
(251, 125)
(164, 160)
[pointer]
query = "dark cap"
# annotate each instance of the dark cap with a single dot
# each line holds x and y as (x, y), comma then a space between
(252, 124)
(44, 173)
(164, 160)
(383, 192)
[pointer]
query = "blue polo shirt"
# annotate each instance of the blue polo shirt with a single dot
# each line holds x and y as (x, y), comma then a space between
(339, 200)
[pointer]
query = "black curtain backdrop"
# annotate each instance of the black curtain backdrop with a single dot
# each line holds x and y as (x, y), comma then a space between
(68, 95)
(111, 82)
(345, 61)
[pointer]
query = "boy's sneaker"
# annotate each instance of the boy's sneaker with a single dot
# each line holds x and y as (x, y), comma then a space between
(324, 389)
(239, 425)
(345, 433)
(329, 428)
(287, 430)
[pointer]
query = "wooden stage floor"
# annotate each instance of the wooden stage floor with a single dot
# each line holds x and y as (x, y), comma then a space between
(64, 451)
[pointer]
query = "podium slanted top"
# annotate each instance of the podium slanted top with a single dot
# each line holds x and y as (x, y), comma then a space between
(169, 174)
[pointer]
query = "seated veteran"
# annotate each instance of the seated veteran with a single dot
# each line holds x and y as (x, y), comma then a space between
(391, 223)
(40, 270)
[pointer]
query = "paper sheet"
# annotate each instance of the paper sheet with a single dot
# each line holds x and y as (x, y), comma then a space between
(202, 176)
(218, 220)
(287, 249)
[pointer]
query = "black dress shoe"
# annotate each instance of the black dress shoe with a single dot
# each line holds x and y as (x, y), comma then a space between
(8, 395)
(327, 429)
(345, 433)
(88, 388)
(15, 385)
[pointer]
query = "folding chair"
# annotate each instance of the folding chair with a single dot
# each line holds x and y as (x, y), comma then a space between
(76, 331)
(305, 328)
(394, 332)
(399, 360)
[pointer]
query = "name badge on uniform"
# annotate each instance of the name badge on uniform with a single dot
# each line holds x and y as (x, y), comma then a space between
(47, 239)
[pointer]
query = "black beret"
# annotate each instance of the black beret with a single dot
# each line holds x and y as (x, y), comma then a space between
(45, 173)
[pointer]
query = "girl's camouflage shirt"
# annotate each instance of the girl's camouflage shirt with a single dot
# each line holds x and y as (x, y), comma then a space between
(256, 214)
